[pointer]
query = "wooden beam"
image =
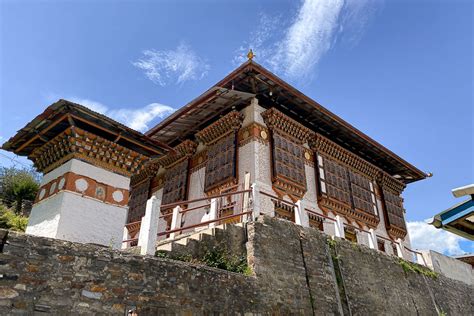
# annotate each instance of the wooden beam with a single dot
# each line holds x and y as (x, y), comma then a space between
(117, 134)
(40, 133)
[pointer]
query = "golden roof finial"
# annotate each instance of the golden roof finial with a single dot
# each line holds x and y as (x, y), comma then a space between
(250, 54)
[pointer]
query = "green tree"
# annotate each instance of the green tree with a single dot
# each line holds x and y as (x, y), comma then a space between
(17, 186)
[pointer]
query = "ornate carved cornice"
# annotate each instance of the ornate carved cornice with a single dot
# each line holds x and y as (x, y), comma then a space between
(328, 204)
(276, 120)
(80, 144)
(323, 145)
(396, 232)
(388, 182)
(253, 132)
(184, 150)
(228, 123)
(149, 170)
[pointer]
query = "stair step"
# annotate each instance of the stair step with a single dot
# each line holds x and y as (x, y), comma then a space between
(207, 231)
(182, 241)
(165, 247)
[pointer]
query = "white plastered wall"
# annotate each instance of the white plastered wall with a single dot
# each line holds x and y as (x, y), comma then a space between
(74, 217)
(196, 191)
(254, 157)
(88, 220)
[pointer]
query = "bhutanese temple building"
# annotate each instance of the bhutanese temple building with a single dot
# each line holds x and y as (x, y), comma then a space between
(99, 174)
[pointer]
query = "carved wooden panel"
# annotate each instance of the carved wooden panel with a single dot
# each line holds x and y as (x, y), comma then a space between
(176, 179)
(288, 163)
(221, 162)
(284, 211)
(137, 202)
(350, 234)
(316, 221)
(337, 181)
(362, 193)
(394, 208)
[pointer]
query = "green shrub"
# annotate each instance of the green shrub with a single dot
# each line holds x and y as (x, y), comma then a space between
(409, 266)
(10, 220)
(215, 258)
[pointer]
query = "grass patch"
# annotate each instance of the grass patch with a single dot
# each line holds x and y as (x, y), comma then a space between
(331, 242)
(215, 258)
(409, 266)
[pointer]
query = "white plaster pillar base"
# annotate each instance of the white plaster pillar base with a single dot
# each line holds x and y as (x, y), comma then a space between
(82, 203)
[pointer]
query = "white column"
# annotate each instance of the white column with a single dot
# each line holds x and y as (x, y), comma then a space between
(420, 259)
(149, 227)
(175, 220)
(399, 248)
(339, 226)
(256, 201)
(246, 197)
(213, 212)
(372, 239)
(126, 236)
(301, 217)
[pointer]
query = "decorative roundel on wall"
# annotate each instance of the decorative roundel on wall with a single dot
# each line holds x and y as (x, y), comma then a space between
(61, 183)
(117, 196)
(263, 134)
(52, 188)
(307, 155)
(42, 194)
(100, 192)
(200, 159)
(246, 134)
(81, 185)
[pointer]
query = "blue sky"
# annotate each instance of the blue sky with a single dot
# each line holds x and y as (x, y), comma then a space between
(400, 71)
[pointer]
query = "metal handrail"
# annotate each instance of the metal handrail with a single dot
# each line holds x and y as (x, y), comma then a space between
(203, 223)
(277, 198)
(171, 205)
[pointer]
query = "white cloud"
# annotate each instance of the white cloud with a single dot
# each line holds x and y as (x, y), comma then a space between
(136, 118)
(91, 104)
(294, 47)
(139, 118)
(179, 65)
(424, 236)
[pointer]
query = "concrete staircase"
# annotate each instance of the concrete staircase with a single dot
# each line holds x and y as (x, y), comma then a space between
(231, 237)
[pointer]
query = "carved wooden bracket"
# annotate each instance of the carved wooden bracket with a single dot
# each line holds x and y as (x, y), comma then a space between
(277, 120)
(77, 143)
(231, 122)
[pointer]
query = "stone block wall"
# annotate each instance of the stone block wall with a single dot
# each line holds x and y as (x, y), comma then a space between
(295, 271)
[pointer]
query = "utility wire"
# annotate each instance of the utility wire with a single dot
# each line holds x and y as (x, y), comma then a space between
(15, 161)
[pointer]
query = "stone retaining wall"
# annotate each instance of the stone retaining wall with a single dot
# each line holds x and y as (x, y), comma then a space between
(295, 271)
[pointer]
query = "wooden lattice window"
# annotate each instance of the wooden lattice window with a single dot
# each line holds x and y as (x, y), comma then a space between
(381, 244)
(288, 160)
(336, 181)
(394, 208)
(350, 234)
(137, 203)
(363, 194)
(175, 186)
(316, 221)
(221, 162)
